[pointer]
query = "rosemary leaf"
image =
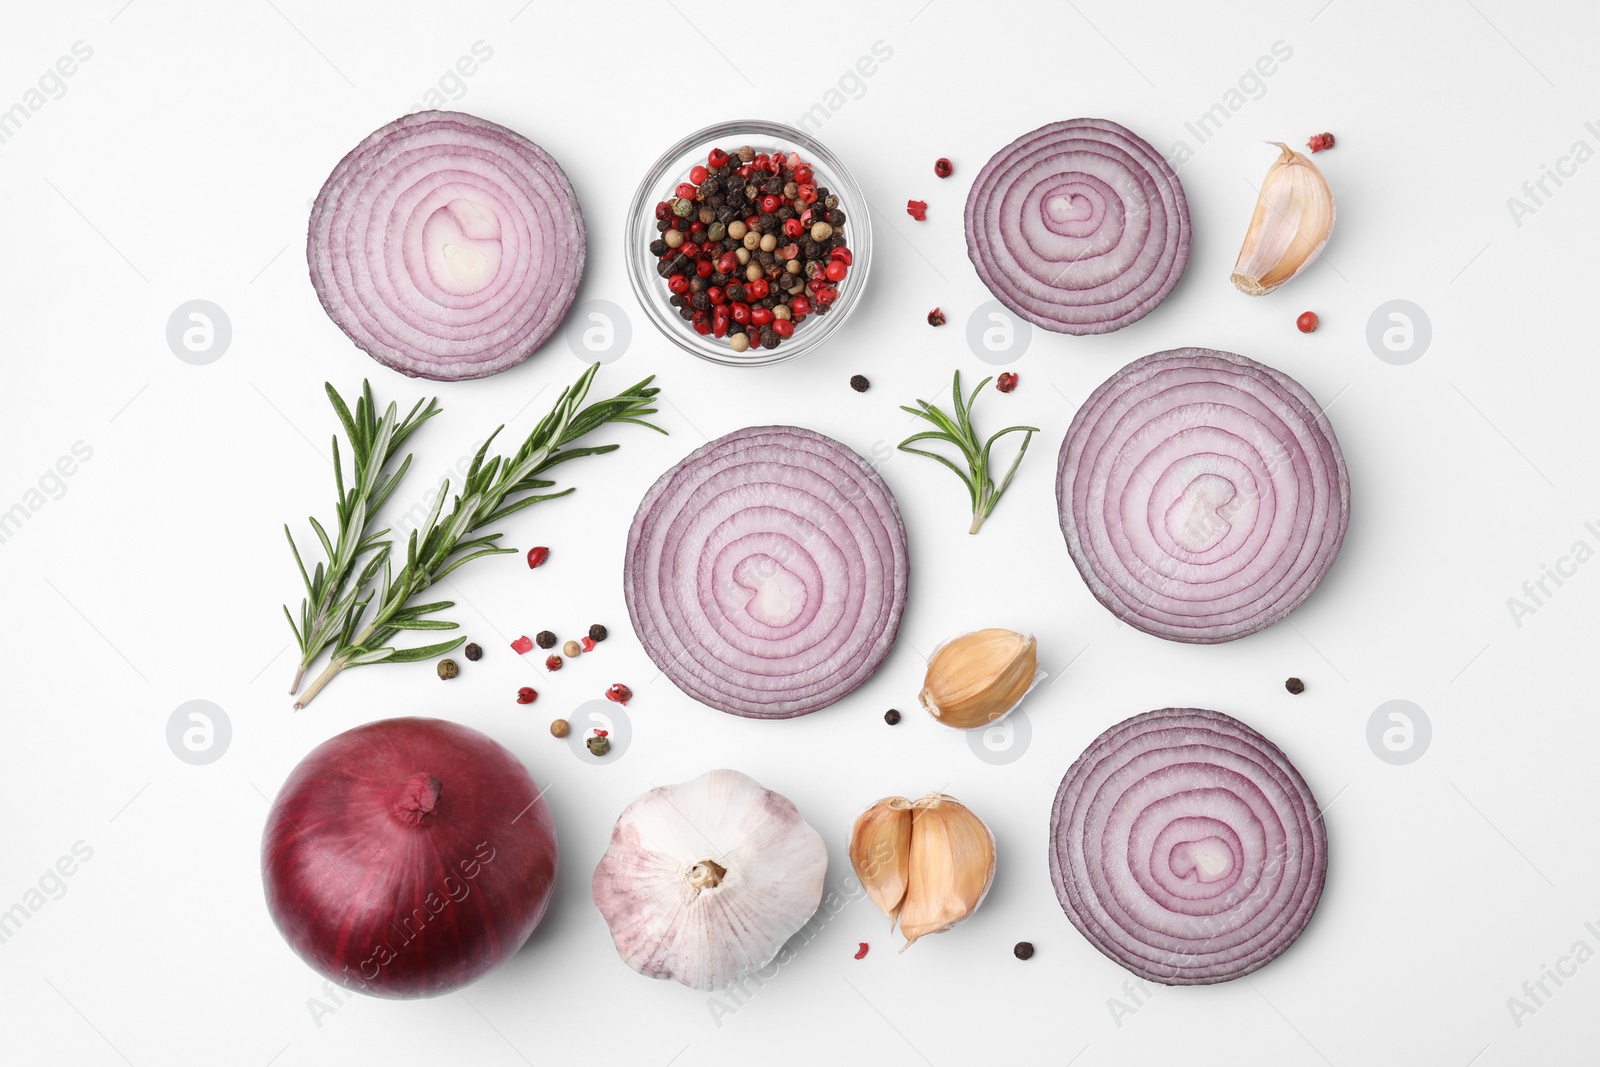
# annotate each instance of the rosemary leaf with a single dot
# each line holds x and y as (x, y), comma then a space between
(959, 431)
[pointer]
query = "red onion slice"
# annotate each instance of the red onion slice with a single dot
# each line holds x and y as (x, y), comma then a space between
(1203, 495)
(1186, 847)
(1080, 227)
(766, 573)
(446, 247)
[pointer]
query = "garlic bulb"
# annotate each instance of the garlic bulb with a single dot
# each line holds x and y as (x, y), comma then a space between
(979, 678)
(1292, 221)
(927, 863)
(705, 881)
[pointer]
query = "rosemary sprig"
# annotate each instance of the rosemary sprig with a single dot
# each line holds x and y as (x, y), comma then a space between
(959, 432)
(331, 591)
(490, 492)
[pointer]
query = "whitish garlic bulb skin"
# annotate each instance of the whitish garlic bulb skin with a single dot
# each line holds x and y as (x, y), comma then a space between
(705, 881)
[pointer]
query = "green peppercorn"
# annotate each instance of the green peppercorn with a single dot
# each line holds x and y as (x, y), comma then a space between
(682, 207)
(448, 669)
(599, 746)
(716, 231)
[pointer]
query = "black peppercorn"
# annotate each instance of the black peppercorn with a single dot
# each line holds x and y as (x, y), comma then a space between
(859, 382)
(687, 313)
(770, 338)
(734, 293)
(658, 248)
(892, 717)
(662, 226)
(676, 300)
(473, 652)
(1295, 686)
(1024, 950)
(597, 632)
(545, 639)
(836, 217)
(700, 301)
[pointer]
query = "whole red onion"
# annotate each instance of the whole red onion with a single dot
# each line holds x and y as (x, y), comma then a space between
(408, 857)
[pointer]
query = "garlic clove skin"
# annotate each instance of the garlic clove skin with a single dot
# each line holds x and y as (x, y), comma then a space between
(952, 867)
(979, 678)
(1292, 222)
(705, 881)
(880, 852)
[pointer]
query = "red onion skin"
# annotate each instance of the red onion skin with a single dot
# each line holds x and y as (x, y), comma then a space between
(408, 857)
(1110, 924)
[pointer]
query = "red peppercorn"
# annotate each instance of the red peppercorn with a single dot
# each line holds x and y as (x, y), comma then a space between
(789, 251)
(935, 317)
(861, 951)
(800, 306)
(827, 294)
(701, 323)
(793, 228)
(917, 209)
(552, 663)
(761, 316)
(689, 248)
(770, 203)
(703, 268)
(697, 226)
(522, 645)
(942, 167)
(720, 318)
(746, 170)
(602, 733)
(717, 158)
(807, 194)
(727, 263)
(527, 695)
(783, 328)
(1006, 382)
(715, 293)
(686, 191)
(537, 556)
(752, 221)
(1319, 141)
(758, 289)
(761, 160)
(843, 255)
(817, 283)
(678, 283)
(741, 312)
(587, 642)
(663, 211)
(836, 271)
(1307, 321)
(803, 174)
(619, 693)
(698, 174)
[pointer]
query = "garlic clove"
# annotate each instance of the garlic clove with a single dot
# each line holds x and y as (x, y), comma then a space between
(980, 677)
(705, 881)
(1292, 222)
(952, 867)
(880, 852)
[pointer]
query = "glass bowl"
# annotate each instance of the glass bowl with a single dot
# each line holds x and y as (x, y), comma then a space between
(673, 167)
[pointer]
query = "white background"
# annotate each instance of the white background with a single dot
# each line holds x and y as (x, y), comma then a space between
(178, 165)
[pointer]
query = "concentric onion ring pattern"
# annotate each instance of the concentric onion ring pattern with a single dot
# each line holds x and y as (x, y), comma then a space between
(1203, 495)
(1080, 227)
(766, 574)
(446, 246)
(1186, 847)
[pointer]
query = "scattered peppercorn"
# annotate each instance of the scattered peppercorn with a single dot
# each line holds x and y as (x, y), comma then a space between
(917, 209)
(892, 717)
(1295, 686)
(859, 383)
(560, 728)
(526, 695)
(473, 652)
(1006, 382)
(599, 744)
(586, 643)
(546, 639)
(1024, 950)
(552, 663)
(861, 950)
(1307, 321)
(1319, 141)
(942, 167)
(597, 632)
(619, 693)
(537, 556)
(448, 669)
(522, 645)
(935, 317)
(572, 649)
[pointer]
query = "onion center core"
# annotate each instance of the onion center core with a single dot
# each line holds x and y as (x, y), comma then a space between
(1208, 860)
(707, 874)
(417, 798)
(777, 594)
(1198, 519)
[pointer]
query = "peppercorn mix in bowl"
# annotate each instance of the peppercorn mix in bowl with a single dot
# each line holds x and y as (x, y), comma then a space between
(748, 243)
